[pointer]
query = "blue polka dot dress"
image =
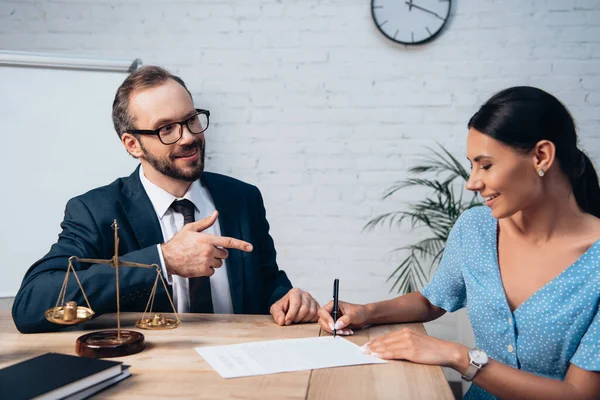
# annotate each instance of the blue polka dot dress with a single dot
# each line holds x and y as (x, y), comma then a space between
(557, 326)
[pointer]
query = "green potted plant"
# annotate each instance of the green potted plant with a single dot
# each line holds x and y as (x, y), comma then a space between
(444, 177)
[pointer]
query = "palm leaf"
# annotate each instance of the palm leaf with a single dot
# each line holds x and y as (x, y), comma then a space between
(440, 173)
(441, 162)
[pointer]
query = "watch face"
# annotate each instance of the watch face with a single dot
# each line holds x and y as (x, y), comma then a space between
(478, 356)
(410, 21)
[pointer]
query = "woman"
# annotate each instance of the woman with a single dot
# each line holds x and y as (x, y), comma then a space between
(527, 266)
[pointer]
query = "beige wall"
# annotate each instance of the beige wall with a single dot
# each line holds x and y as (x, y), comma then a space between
(6, 303)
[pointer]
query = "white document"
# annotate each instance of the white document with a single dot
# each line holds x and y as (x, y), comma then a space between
(274, 356)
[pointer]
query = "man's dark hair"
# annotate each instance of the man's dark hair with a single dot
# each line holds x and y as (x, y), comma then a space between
(143, 78)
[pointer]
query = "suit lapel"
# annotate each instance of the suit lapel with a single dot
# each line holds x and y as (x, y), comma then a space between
(230, 226)
(140, 212)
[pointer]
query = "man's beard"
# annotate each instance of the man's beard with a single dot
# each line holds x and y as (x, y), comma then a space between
(166, 165)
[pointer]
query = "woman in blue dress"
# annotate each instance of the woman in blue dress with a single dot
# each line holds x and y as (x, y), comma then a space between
(527, 266)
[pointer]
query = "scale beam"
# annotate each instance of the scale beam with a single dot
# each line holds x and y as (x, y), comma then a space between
(110, 343)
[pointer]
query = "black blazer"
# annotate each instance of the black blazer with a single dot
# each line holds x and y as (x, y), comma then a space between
(254, 278)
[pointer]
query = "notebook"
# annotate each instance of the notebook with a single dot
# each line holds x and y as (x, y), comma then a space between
(85, 393)
(55, 376)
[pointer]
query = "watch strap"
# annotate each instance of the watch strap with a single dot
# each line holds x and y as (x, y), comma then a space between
(471, 372)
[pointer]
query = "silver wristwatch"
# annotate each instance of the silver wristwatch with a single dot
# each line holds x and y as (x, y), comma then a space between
(477, 360)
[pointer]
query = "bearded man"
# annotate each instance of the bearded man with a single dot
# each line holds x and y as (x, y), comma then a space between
(207, 232)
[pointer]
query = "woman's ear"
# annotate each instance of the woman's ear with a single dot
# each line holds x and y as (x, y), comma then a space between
(132, 145)
(544, 154)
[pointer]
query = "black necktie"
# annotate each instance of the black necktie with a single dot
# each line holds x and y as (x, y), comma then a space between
(200, 297)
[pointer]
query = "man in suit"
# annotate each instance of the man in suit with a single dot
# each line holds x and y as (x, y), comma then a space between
(214, 261)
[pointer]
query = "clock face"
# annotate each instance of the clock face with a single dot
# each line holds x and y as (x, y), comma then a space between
(410, 21)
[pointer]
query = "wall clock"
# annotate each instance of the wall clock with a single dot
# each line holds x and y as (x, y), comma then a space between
(410, 21)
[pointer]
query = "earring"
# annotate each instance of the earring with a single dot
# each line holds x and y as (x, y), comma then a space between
(541, 172)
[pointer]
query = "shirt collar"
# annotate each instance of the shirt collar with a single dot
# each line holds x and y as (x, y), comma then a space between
(162, 200)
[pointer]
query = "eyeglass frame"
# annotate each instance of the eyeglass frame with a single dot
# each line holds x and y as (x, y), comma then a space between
(156, 132)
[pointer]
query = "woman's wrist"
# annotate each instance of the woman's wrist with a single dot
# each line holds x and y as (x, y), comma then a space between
(370, 310)
(458, 357)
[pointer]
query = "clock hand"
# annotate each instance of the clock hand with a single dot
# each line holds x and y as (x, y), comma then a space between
(410, 4)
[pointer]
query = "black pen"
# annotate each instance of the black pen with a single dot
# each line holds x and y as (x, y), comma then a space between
(336, 289)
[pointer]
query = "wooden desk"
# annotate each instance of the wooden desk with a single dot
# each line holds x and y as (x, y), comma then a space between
(171, 368)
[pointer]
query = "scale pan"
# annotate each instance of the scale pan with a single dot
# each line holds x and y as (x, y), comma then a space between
(158, 322)
(56, 315)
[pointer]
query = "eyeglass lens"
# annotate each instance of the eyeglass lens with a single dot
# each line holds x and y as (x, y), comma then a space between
(172, 133)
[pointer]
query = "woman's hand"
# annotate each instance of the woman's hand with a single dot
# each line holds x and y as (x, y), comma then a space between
(407, 344)
(351, 316)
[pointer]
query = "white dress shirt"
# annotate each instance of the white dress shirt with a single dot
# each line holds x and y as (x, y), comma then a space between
(170, 223)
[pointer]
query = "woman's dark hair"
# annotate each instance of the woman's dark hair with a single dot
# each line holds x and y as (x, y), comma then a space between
(522, 116)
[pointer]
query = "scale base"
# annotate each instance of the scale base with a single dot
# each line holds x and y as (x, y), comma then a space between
(105, 344)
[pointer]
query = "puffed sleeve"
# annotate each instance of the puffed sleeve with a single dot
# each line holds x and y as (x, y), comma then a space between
(447, 286)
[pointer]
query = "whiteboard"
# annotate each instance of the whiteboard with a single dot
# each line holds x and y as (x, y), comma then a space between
(57, 142)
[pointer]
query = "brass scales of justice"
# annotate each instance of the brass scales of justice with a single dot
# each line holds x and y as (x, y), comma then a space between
(110, 343)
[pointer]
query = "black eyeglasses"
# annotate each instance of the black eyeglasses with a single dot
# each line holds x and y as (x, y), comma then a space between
(171, 133)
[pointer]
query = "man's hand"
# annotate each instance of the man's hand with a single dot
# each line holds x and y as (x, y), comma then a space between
(296, 306)
(191, 253)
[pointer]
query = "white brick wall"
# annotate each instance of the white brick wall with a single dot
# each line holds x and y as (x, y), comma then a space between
(311, 103)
